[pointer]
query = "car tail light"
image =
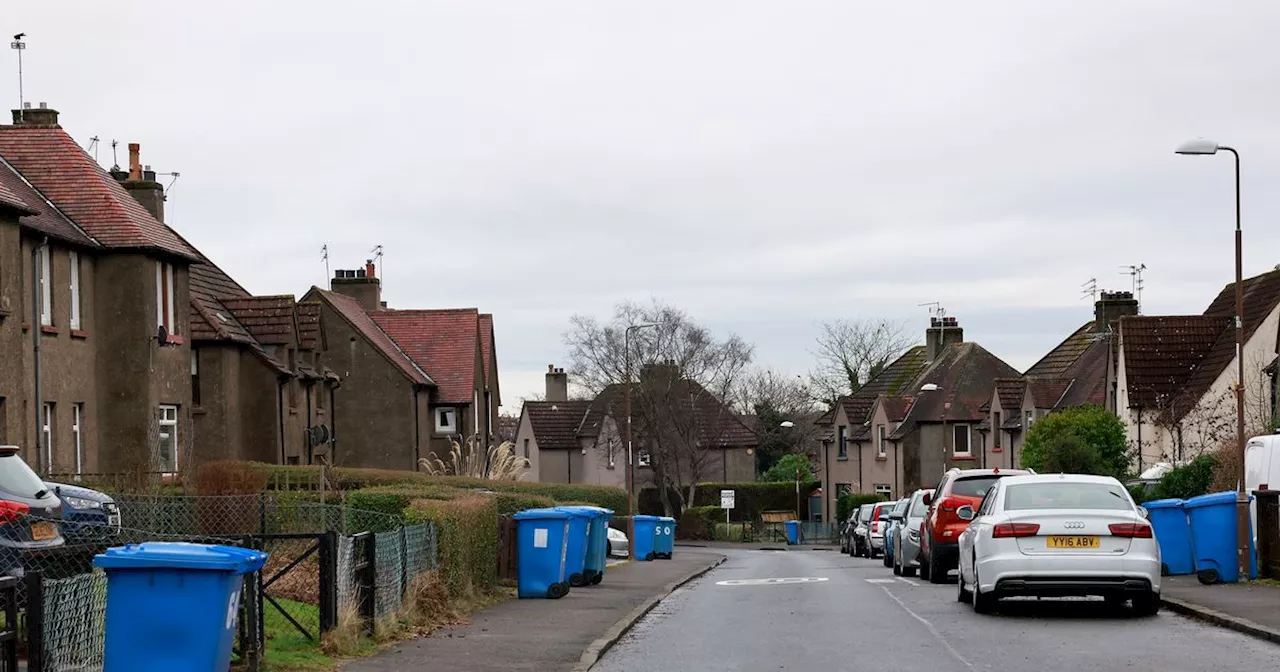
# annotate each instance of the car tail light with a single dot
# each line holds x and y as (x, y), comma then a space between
(1006, 530)
(875, 527)
(1131, 530)
(11, 511)
(950, 504)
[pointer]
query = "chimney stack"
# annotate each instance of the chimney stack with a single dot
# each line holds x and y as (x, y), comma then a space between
(1111, 307)
(942, 332)
(557, 384)
(43, 116)
(360, 284)
(141, 183)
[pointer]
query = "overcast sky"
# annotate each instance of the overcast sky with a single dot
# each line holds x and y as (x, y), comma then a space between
(763, 165)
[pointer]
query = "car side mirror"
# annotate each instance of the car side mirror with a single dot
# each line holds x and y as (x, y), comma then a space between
(928, 498)
(1142, 511)
(966, 512)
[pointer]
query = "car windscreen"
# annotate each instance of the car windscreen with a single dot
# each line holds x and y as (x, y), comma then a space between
(917, 505)
(900, 508)
(865, 513)
(1101, 496)
(973, 486)
(16, 478)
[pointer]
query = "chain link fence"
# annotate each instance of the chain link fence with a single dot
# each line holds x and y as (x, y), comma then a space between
(322, 558)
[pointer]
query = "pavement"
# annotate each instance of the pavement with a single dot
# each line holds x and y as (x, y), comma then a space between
(830, 611)
(757, 546)
(547, 635)
(1250, 608)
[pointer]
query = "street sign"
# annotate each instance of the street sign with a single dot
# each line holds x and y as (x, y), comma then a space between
(726, 499)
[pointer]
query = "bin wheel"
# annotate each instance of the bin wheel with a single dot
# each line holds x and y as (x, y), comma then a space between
(595, 580)
(557, 590)
(1164, 569)
(1208, 576)
(576, 580)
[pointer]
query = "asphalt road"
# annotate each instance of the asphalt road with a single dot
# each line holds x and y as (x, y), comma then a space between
(862, 617)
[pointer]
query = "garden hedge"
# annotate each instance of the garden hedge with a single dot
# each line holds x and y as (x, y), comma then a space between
(467, 532)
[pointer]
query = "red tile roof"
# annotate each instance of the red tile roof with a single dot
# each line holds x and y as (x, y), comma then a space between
(1162, 354)
(895, 408)
(41, 215)
(555, 423)
(269, 319)
(351, 311)
(8, 197)
(53, 163)
(443, 343)
(1011, 392)
(310, 337)
(1047, 392)
(490, 359)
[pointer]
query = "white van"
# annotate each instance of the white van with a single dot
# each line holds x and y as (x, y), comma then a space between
(1261, 467)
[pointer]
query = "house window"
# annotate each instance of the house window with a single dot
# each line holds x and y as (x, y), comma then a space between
(611, 448)
(526, 448)
(73, 264)
(842, 443)
(46, 436)
(195, 376)
(46, 287)
(447, 420)
(1031, 418)
(884, 490)
(881, 434)
(167, 439)
(475, 411)
(995, 430)
(642, 459)
(77, 418)
(961, 435)
(164, 297)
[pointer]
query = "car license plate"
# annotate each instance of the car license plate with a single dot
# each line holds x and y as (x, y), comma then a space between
(1074, 542)
(43, 531)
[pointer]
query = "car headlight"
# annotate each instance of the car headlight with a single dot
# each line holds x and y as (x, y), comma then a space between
(914, 536)
(81, 503)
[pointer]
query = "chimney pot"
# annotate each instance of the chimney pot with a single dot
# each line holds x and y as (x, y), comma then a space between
(369, 269)
(135, 161)
(360, 273)
(44, 105)
(26, 106)
(557, 384)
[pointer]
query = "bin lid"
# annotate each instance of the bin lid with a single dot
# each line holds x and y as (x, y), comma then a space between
(181, 555)
(1213, 499)
(1163, 504)
(667, 519)
(589, 511)
(542, 514)
(646, 519)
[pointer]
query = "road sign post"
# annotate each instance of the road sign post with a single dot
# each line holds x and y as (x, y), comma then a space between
(726, 503)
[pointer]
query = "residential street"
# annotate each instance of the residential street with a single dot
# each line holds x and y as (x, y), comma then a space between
(861, 617)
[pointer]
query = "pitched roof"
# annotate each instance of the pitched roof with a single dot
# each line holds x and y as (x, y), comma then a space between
(310, 337)
(716, 423)
(1089, 376)
(895, 408)
(1011, 391)
(895, 379)
(486, 343)
(1161, 354)
(210, 320)
(441, 342)
(40, 214)
(66, 175)
(350, 310)
(1064, 355)
(555, 423)
(269, 319)
(1047, 392)
(964, 373)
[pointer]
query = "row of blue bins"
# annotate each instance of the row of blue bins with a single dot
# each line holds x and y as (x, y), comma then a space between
(1198, 536)
(568, 546)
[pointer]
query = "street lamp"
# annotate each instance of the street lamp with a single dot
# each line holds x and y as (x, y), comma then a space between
(1202, 147)
(787, 424)
(631, 469)
(932, 387)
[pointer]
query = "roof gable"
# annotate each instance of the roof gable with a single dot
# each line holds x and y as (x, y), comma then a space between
(350, 311)
(555, 423)
(269, 319)
(1062, 357)
(894, 380)
(444, 343)
(964, 373)
(39, 213)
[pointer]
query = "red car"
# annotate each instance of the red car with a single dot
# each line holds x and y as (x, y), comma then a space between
(940, 531)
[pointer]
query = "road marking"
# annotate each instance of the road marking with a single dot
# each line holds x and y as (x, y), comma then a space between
(906, 580)
(928, 625)
(879, 580)
(771, 582)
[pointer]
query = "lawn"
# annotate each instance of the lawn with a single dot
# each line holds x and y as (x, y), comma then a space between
(288, 649)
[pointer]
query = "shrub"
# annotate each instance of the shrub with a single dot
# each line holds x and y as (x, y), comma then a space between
(512, 502)
(467, 532)
(227, 477)
(846, 505)
(784, 470)
(1092, 427)
(698, 522)
(1189, 480)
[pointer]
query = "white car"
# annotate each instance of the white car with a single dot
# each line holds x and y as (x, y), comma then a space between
(1058, 535)
(618, 544)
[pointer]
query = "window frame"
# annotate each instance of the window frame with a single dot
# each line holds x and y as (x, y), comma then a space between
(73, 284)
(195, 376)
(48, 433)
(643, 459)
(995, 429)
(46, 286)
(968, 442)
(165, 310)
(842, 443)
(451, 412)
(885, 489)
(882, 448)
(526, 449)
(162, 421)
(77, 434)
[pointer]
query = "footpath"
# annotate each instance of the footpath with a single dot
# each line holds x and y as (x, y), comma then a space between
(547, 635)
(1251, 608)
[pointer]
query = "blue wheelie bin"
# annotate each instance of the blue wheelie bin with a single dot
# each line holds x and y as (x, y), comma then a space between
(646, 535)
(576, 547)
(597, 542)
(542, 548)
(1213, 538)
(793, 532)
(665, 540)
(1173, 534)
(173, 606)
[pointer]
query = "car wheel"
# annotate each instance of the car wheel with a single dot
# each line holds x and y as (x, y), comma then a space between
(610, 551)
(1147, 604)
(908, 571)
(1115, 601)
(983, 603)
(937, 573)
(924, 566)
(962, 594)
(897, 568)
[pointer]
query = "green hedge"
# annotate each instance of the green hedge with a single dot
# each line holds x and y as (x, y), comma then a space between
(750, 499)
(698, 522)
(468, 540)
(847, 503)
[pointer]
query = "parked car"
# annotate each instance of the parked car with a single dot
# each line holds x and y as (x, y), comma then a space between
(1058, 535)
(846, 532)
(942, 527)
(619, 545)
(861, 544)
(892, 520)
(29, 513)
(875, 529)
(88, 516)
(906, 537)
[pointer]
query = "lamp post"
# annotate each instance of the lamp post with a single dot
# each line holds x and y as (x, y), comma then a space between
(631, 462)
(932, 387)
(1202, 147)
(787, 424)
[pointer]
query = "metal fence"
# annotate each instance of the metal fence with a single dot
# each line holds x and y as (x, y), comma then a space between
(322, 559)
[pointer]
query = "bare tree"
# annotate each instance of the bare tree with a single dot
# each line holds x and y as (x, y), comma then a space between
(774, 398)
(681, 398)
(851, 352)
